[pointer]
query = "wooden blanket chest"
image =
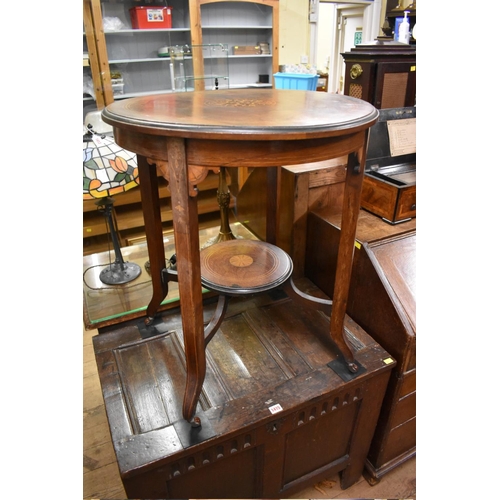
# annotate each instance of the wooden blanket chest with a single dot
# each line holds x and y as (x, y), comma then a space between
(281, 417)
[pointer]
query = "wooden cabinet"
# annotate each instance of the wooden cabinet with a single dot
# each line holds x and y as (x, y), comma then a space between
(402, 90)
(382, 299)
(384, 73)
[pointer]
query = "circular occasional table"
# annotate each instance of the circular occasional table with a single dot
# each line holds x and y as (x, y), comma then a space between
(183, 135)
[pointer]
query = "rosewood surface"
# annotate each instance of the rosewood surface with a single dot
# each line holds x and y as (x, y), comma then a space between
(185, 134)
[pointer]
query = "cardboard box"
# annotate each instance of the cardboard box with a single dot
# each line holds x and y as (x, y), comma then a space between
(245, 50)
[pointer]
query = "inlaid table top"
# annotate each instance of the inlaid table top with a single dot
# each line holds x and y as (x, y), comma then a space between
(262, 114)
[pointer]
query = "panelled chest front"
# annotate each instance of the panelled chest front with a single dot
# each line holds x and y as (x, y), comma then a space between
(282, 418)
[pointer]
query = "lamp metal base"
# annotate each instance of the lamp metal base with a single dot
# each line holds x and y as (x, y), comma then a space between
(119, 274)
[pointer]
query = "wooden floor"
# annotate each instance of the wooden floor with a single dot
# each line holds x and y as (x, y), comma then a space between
(101, 478)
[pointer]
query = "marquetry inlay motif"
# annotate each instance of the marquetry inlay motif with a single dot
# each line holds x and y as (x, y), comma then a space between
(240, 103)
(241, 260)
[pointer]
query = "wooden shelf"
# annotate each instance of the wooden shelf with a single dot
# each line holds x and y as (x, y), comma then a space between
(102, 243)
(129, 216)
(134, 195)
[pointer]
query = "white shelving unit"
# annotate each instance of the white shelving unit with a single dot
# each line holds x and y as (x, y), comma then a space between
(133, 53)
(241, 24)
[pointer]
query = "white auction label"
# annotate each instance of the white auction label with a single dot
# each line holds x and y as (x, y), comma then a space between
(275, 409)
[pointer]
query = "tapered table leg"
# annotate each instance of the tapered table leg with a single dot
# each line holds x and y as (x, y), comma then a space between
(154, 233)
(187, 250)
(350, 212)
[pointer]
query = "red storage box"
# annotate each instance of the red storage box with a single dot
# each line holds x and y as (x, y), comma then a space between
(151, 17)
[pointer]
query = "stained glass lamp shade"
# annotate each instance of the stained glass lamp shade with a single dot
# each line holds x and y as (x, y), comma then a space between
(108, 169)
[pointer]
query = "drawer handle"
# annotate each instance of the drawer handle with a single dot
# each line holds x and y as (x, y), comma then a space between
(413, 207)
(356, 71)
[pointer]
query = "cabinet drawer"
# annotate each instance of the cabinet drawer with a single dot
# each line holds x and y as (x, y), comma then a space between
(409, 383)
(407, 206)
(400, 442)
(405, 409)
(388, 197)
(379, 197)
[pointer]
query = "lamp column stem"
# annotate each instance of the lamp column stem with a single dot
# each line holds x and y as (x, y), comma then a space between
(108, 214)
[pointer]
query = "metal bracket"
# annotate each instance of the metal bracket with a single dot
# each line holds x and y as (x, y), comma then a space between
(155, 327)
(189, 435)
(170, 273)
(339, 366)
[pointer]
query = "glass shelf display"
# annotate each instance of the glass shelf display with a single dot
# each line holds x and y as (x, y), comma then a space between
(215, 66)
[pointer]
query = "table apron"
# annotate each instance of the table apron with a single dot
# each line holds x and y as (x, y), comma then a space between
(241, 153)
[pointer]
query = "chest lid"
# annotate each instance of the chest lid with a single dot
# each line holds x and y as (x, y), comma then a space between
(392, 140)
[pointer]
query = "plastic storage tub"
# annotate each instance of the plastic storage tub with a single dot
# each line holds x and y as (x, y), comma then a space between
(295, 81)
(151, 17)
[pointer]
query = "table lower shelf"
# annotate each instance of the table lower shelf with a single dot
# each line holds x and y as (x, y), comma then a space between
(105, 305)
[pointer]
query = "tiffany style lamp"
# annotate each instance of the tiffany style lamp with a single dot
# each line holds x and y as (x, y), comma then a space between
(108, 169)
